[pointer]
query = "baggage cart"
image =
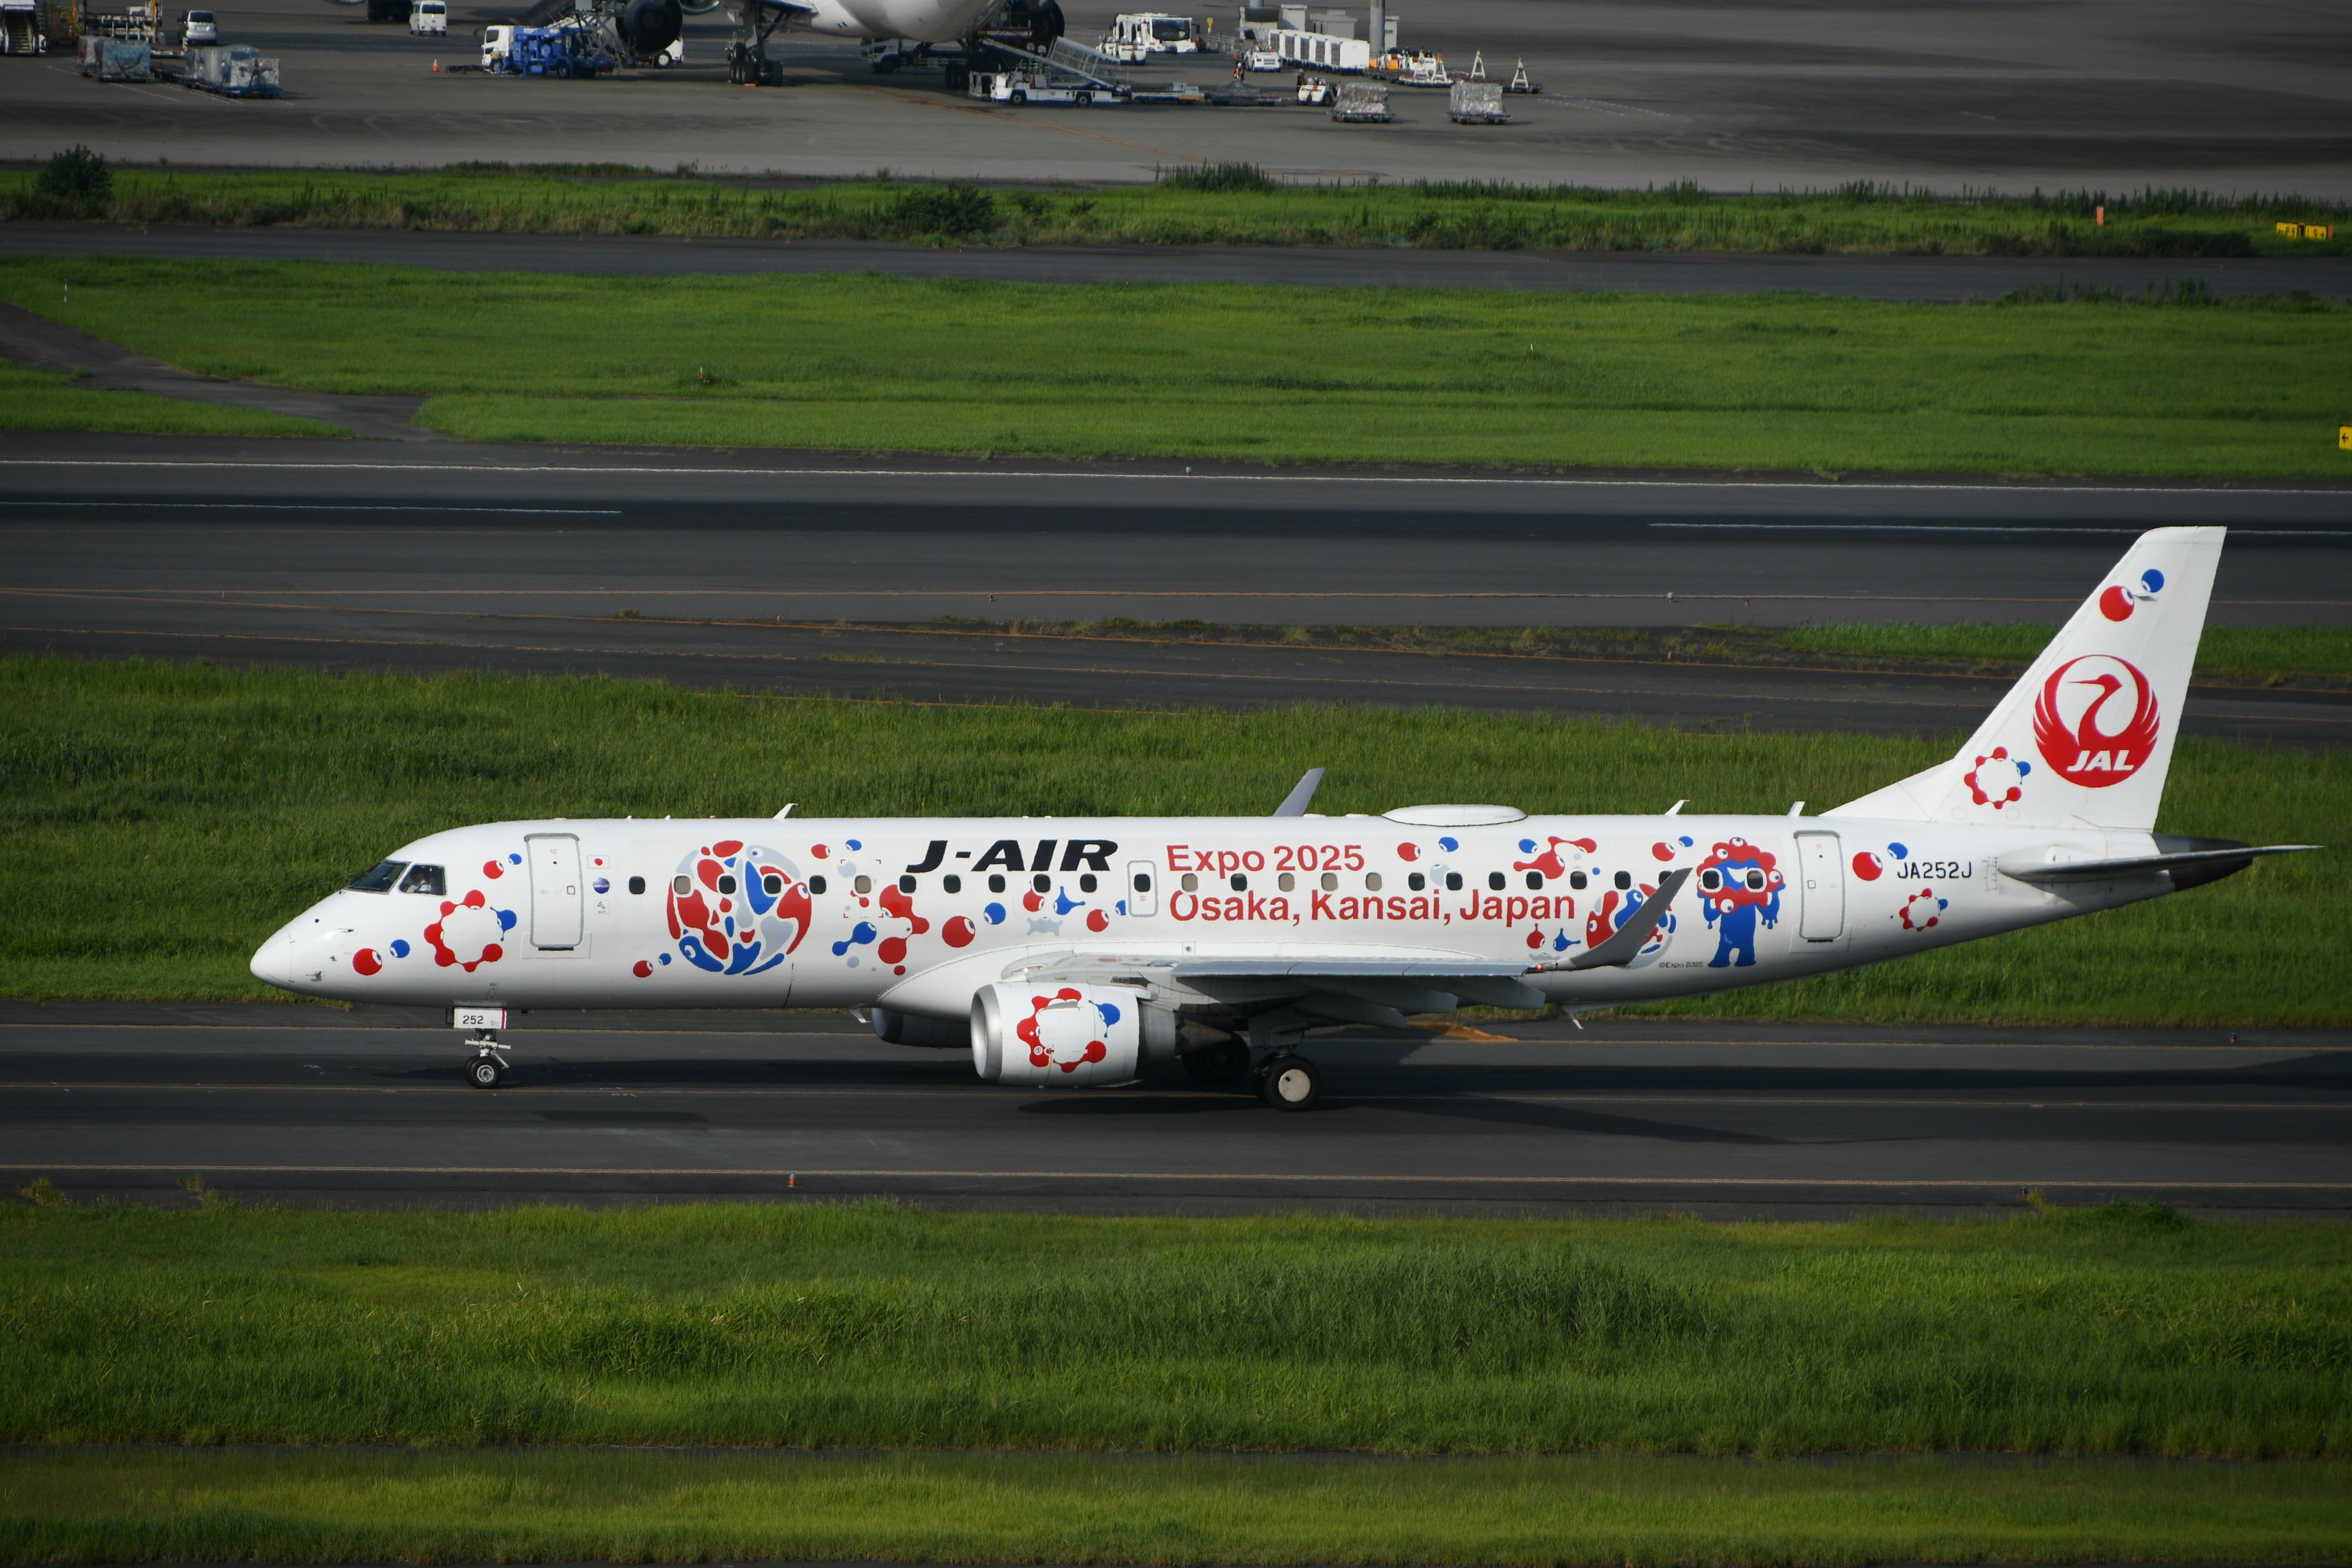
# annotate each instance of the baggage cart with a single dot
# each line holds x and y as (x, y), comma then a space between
(1477, 103)
(1362, 104)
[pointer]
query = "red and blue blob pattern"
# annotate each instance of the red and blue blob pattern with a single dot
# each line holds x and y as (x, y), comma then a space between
(1059, 1035)
(730, 920)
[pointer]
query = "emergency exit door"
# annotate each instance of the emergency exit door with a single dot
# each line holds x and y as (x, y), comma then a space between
(1820, 888)
(554, 890)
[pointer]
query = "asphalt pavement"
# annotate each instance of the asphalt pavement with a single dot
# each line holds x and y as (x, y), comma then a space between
(289, 1103)
(1950, 278)
(928, 580)
(2224, 96)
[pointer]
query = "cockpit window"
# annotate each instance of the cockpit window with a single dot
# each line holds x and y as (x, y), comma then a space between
(380, 879)
(423, 879)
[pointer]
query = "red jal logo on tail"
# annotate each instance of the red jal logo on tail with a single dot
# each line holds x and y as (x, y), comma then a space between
(2096, 720)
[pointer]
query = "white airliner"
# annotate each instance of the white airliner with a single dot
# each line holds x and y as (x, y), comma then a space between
(1075, 950)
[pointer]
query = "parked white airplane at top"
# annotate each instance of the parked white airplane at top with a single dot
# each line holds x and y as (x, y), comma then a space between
(1074, 950)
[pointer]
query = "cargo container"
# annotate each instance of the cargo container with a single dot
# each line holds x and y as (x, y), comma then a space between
(117, 60)
(1477, 103)
(233, 70)
(1361, 102)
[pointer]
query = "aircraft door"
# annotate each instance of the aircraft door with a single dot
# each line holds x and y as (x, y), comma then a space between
(1821, 890)
(1142, 888)
(555, 898)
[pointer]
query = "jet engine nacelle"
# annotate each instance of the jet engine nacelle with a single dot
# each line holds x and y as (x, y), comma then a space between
(649, 26)
(1045, 1033)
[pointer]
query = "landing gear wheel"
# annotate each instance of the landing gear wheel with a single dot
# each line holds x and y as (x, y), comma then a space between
(485, 1072)
(1218, 1064)
(1290, 1083)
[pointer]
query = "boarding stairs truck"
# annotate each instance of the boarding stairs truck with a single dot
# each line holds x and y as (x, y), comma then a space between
(1059, 74)
(20, 28)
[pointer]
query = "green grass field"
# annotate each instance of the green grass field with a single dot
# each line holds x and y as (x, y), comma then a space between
(219, 803)
(2232, 652)
(2103, 1331)
(1223, 206)
(1277, 374)
(670, 1507)
(45, 400)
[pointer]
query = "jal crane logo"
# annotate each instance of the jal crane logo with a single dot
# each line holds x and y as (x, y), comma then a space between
(2096, 720)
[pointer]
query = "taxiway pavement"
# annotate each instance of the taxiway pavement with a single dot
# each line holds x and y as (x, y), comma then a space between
(926, 580)
(297, 1104)
(1894, 277)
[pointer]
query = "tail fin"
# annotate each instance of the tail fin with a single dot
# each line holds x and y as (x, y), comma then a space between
(2085, 740)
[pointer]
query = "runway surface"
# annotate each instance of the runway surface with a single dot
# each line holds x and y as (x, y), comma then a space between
(2113, 95)
(1902, 278)
(298, 1104)
(792, 573)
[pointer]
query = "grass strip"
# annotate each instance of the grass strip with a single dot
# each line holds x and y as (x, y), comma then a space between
(2259, 653)
(2127, 1330)
(1229, 204)
(637, 1507)
(46, 400)
(1265, 372)
(229, 799)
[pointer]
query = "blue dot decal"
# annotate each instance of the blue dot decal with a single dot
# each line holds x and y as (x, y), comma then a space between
(995, 914)
(1901, 852)
(1526, 846)
(1449, 843)
(2152, 580)
(400, 947)
(855, 845)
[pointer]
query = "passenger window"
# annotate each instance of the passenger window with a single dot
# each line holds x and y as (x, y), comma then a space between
(1241, 882)
(995, 882)
(951, 883)
(1495, 880)
(726, 883)
(1191, 883)
(1416, 881)
(1086, 884)
(379, 878)
(425, 879)
(816, 884)
(1756, 880)
(636, 884)
(1453, 881)
(683, 885)
(1143, 881)
(1535, 879)
(1710, 879)
(1623, 880)
(771, 884)
(1577, 879)
(864, 885)
(1372, 882)
(1042, 882)
(1330, 881)
(906, 884)
(1285, 881)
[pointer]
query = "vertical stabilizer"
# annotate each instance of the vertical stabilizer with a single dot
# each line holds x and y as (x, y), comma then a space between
(2085, 740)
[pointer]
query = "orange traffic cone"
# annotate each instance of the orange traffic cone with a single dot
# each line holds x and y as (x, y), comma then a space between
(437, 68)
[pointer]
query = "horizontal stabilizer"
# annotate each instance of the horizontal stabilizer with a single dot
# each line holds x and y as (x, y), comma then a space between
(2220, 861)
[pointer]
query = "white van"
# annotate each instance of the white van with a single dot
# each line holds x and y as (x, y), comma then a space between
(429, 18)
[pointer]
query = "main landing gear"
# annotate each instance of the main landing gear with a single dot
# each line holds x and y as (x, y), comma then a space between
(1289, 1082)
(488, 1067)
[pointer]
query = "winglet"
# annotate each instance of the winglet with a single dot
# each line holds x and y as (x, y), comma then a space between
(1634, 934)
(1294, 803)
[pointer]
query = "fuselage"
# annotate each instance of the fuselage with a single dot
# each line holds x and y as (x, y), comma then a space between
(917, 914)
(927, 21)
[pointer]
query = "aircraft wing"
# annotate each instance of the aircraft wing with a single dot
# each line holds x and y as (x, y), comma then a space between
(1354, 988)
(2236, 857)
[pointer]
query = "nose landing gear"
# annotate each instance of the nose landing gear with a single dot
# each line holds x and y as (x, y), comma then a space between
(487, 1067)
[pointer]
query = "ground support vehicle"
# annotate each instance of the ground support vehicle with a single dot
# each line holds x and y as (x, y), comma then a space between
(1519, 82)
(565, 51)
(429, 18)
(1362, 104)
(1025, 87)
(1477, 103)
(1414, 67)
(1325, 51)
(233, 70)
(117, 60)
(1313, 90)
(20, 28)
(885, 56)
(1137, 35)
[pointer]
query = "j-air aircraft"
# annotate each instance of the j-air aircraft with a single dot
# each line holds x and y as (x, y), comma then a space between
(1076, 952)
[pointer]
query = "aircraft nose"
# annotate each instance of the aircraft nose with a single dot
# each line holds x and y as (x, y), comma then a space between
(273, 961)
